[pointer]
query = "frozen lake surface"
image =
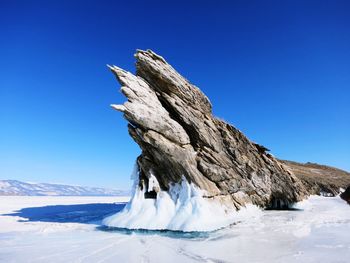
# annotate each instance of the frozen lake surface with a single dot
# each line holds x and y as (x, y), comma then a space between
(68, 229)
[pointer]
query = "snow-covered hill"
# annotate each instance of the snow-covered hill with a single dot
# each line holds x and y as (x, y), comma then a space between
(14, 187)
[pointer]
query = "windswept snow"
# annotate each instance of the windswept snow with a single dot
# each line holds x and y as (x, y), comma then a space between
(35, 233)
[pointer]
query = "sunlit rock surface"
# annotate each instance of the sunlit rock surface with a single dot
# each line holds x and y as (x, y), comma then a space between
(320, 179)
(172, 121)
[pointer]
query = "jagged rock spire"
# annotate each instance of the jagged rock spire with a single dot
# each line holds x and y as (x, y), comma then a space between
(171, 120)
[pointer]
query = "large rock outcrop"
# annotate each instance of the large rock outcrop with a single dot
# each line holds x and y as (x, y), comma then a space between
(172, 121)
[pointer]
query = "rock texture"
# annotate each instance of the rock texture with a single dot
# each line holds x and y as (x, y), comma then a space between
(346, 195)
(172, 121)
(320, 179)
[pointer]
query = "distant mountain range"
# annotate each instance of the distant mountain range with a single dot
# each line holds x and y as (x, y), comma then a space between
(14, 187)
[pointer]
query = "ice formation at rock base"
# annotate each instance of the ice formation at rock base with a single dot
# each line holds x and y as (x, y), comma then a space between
(182, 208)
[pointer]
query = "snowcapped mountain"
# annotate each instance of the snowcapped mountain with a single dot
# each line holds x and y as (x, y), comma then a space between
(14, 187)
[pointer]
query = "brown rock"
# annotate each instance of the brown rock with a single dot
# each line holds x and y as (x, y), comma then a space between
(171, 120)
(346, 195)
(320, 179)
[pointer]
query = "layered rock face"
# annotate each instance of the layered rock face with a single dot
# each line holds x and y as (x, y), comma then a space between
(172, 122)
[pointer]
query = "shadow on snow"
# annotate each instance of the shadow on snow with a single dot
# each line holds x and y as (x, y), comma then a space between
(81, 213)
(93, 214)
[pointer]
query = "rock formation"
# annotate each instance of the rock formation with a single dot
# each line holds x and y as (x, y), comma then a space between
(172, 121)
(346, 195)
(320, 179)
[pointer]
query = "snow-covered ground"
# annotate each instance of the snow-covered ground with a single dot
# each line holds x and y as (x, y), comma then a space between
(67, 229)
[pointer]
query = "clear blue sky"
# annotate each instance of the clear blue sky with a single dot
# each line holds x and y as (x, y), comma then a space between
(277, 70)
